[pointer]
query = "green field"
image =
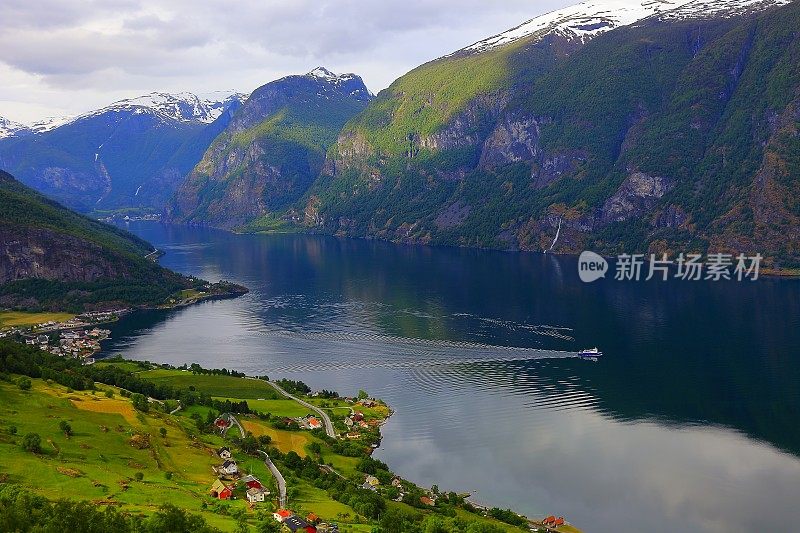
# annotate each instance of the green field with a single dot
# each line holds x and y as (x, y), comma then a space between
(99, 463)
(10, 319)
(213, 385)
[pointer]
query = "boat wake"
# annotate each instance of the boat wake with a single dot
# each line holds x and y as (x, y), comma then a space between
(384, 351)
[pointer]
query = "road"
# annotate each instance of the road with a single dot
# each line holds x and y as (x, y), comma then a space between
(325, 418)
(236, 422)
(278, 478)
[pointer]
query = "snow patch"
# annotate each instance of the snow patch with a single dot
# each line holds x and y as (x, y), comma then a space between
(9, 128)
(588, 19)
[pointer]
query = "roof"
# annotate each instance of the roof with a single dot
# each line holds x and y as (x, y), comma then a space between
(284, 513)
(255, 491)
(219, 486)
(229, 462)
(295, 523)
(223, 449)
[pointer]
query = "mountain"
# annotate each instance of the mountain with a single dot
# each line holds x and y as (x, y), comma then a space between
(272, 150)
(662, 127)
(130, 154)
(9, 128)
(53, 258)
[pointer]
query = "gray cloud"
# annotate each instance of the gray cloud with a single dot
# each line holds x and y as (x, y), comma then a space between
(86, 52)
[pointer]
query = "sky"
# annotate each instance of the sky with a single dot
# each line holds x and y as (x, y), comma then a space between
(71, 56)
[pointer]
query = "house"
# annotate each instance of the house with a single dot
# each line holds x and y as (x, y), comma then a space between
(372, 480)
(281, 515)
(348, 422)
(221, 490)
(424, 500)
(255, 495)
(252, 482)
(221, 423)
(224, 453)
(358, 416)
(298, 525)
(313, 422)
(312, 518)
(229, 467)
(397, 482)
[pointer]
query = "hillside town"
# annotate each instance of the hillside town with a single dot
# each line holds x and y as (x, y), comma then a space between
(78, 337)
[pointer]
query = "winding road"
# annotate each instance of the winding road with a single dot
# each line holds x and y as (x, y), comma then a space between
(325, 418)
(278, 478)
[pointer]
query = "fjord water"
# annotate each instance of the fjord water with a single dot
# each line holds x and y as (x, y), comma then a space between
(690, 423)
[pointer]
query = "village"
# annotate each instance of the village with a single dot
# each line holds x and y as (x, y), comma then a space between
(231, 483)
(78, 337)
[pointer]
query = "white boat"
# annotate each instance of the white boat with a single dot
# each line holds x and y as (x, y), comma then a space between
(591, 352)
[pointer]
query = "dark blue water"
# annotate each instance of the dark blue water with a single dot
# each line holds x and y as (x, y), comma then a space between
(690, 423)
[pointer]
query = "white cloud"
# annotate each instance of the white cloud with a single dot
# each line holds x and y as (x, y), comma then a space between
(64, 59)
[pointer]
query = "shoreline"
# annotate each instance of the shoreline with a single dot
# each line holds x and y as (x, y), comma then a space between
(769, 273)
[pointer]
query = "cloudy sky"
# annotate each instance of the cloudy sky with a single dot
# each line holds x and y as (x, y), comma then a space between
(70, 56)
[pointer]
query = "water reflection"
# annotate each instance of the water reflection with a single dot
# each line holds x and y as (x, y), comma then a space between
(691, 422)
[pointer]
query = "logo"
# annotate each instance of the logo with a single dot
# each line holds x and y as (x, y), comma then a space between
(591, 266)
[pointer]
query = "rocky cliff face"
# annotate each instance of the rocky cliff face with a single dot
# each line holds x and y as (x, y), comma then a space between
(39, 253)
(677, 133)
(272, 150)
(53, 258)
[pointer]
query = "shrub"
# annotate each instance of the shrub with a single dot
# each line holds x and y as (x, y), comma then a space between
(32, 442)
(138, 476)
(24, 383)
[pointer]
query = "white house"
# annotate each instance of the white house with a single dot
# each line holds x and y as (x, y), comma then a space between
(229, 467)
(224, 453)
(256, 495)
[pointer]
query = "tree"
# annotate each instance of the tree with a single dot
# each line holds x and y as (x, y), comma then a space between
(139, 476)
(140, 402)
(65, 427)
(32, 442)
(362, 395)
(267, 524)
(24, 383)
(163, 432)
(315, 448)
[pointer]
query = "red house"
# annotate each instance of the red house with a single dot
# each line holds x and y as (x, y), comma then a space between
(221, 490)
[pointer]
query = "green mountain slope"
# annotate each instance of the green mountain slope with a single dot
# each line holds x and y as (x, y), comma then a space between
(673, 134)
(272, 150)
(53, 258)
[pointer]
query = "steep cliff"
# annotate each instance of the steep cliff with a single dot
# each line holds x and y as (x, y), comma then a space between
(51, 257)
(670, 129)
(272, 150)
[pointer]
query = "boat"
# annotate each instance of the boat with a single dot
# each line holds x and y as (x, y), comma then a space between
(591, 352)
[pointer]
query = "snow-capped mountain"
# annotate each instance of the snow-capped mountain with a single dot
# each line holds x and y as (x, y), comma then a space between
(9, 128)
(588, 19)
(349, 82)
(131, 153)
(184, 107)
